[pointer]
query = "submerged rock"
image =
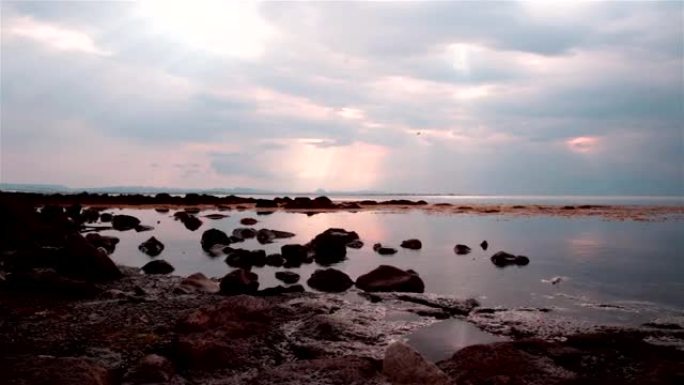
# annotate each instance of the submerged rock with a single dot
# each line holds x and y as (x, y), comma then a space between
(239, 281)
(248, 221)
(390, 278)
(413, 244)
(151, 247)
(502, 259)
(404, 366)
(330, 280)
(287, 276)
(158, 266)
(384, 250)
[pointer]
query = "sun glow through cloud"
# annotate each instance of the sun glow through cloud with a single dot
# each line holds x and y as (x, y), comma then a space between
(230, 28)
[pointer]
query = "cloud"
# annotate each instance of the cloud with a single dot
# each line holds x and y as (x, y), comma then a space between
(53, 36)
(399, 96)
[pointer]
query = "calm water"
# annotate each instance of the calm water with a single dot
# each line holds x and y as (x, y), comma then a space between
(637, 264)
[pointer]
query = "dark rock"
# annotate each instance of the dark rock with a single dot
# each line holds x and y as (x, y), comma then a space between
(413, 244)
(239, 281)
(151, 247)
(282, 234)
(275, 260)
(124, 222)
(192, 210)
(502, 259)
(389, 278)
(162, 209)
(266, 203)
(141, 228)
(106, 217)
(244, 233)
(331, 245)
(383, 250)
(568, 208)
(158, 266)
(265, 236)
(248, 221)
(213, 237)
(83, 260)
(484, 245)
(294, 254)
(287, 276)
(153, 368)
(106, 242)
(216, 216)
(461, 249)
(330, 280)
(245, 258)
(192, 223)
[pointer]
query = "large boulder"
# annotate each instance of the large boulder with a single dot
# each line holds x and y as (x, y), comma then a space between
(294, 254)
(83, 260)
(158, 266)
(151, 247)
(331, 245)
(124, 222)
(239, 281)
(389, 278)
(404, 366)
(213, 237)
(330, 280)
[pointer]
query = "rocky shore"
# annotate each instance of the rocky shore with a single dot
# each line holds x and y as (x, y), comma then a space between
(69, 315)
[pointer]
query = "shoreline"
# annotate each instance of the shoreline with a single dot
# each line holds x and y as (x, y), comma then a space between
(65, 322)
(323, 205)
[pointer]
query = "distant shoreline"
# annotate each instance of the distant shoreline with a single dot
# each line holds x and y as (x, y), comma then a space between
(323, 204)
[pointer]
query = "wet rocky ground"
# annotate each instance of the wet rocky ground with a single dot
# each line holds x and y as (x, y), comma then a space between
(69, 315)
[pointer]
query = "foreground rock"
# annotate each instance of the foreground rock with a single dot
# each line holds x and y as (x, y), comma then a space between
(198, 282)
(330, 280)
(153, 368)
(151, 247)
(503, 259)
(389, 278)
(404, 366)
(54, 371)
(413, 244)
(158, 266)
(600, 358)
(239, 281)
(82, 260)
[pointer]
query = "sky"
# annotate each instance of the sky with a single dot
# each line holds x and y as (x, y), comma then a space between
(416, 97)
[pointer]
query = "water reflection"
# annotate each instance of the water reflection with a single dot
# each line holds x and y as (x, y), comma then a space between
(604, 260)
